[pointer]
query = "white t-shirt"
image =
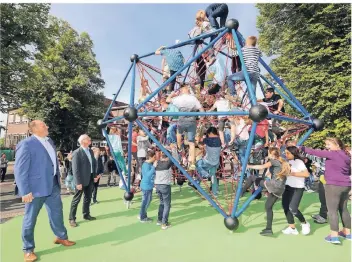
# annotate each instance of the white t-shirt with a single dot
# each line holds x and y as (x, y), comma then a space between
(297, 165)
(222, 105)
(242, 130)
(186, 103)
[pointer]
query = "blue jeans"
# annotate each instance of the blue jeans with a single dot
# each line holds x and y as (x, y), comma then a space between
(53, 205)
(207, 170)
(190, 128)
(171, 134)
(146, 199)
(213, 13)
(164, 193)
(242, 145)
(239, 76)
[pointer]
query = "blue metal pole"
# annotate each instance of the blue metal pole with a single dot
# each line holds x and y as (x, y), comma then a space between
(183, 68)
(221, 52)
(252, 96)
(129, 158)
(133, 84)
(117, 93)
(184, 172)
(278, 80)
(244, 166)
(248, 201)
(214, 113)
(271, 115)
(282, 94)
(115, 159)
(305, 137)
(186, 42)
(118, 118)
(261, 87)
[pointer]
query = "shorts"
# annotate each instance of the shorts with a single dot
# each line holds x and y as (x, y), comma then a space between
(190, 128)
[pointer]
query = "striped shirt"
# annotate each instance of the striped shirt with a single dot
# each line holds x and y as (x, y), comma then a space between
(251, 56)
(174, 58)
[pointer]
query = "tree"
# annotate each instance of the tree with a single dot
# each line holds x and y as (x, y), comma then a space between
(23, 29)
(64, 85)
(312, 43)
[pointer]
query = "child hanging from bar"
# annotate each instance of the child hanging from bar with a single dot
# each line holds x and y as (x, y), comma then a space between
(142, 147)
(222, 105)
(217, 71)
(186, 102)
(115, 140)
(144, 91)
(207, 166)
(251, 55)
(174, 60)
(274, 183)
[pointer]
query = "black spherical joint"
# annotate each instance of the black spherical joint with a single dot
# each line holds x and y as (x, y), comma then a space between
(318, 124)
(232, 24)
(180, 182)
(100, 123)
(231, 223)
(258, 113)
(128, 196)
(134, 57)
(130, 114)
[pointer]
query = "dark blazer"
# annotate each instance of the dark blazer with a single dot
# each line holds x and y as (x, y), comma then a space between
(81, 168)
(100, 166)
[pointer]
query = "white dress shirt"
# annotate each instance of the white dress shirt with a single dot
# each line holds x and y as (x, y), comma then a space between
(48, 147)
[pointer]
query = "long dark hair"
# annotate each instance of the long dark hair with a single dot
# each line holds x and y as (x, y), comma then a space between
(212, 130)
(295, 152)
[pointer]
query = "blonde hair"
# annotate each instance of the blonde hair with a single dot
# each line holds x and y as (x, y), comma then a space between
(200, 14)
(338, 142)
(285, 167)
(251, 40)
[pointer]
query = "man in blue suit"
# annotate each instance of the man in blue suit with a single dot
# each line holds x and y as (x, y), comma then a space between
(37, 177)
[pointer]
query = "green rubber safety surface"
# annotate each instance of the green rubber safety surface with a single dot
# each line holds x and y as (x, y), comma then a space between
(197, 234)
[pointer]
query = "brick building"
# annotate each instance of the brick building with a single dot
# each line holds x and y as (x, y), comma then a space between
(17, 125)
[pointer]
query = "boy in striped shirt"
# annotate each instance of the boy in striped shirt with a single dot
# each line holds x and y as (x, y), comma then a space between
(251, 56)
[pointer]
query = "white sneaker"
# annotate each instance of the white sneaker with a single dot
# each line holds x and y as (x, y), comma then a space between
(290, 231)
(305, 228)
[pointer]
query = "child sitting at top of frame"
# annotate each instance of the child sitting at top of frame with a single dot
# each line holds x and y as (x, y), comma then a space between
(174, 60)
(251, 55)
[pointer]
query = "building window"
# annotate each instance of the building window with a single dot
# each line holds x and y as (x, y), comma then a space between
(95, 144)
(17, 119)
(103, 144)
(11, 118)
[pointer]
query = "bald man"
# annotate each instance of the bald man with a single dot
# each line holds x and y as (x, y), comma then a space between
(38, 179)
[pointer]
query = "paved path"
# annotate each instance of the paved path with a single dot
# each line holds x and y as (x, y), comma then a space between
(11, 205)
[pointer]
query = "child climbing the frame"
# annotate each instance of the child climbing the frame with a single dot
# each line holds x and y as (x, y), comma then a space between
(174, 60)
(275, 184)
(251, 55)
(212, 12)
(115, 140)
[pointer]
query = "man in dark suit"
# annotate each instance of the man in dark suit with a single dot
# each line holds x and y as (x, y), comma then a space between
(38, 179)
(84, 174)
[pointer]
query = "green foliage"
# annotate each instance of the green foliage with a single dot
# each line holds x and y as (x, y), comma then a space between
(313, 46)
(64, 85)
(22, 35)
(2, 142)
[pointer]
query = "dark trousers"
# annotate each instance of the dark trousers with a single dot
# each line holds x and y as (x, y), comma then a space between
(87, 190)
(270, 201)
(336, 199)
(53, 206)
(222, 12)
(164, 193)
(236, 65)
(323, 209)
(3, 173)
(290, 203)
(173, 82)
(95, 190)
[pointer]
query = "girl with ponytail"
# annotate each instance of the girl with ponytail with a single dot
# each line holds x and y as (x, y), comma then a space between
(274, 183)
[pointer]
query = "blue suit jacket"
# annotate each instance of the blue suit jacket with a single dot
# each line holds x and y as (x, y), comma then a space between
(34, 169)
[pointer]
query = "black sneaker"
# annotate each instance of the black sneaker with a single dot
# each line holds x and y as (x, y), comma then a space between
(89, 217)
(266, 232)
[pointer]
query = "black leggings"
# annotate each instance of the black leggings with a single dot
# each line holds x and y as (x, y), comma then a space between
(270, 201)
(290, 203)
